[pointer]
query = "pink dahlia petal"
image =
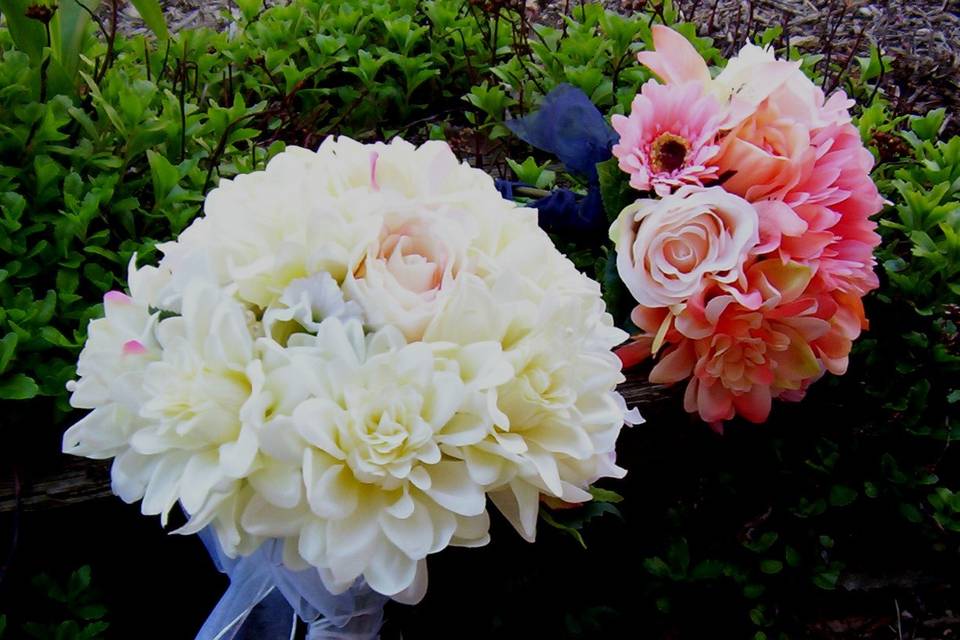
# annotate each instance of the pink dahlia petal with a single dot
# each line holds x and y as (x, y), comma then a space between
(755, 404)
(674, 59)
(677, 365)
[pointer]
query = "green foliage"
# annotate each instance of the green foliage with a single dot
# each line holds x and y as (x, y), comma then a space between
(595, 50)
(573, 519)
(536, 175)
(68, 611)
(152, 14)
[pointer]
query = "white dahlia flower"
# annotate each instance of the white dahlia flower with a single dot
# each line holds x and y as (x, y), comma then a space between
(350, 351)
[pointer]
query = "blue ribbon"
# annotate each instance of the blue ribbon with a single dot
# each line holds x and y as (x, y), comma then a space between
(568, 126)
(265, 599)
(564, 212)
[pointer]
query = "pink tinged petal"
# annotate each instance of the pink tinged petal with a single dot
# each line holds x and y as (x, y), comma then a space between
(690, 396)
(776, 220)
(752, 166)
(634, 352)
(677, 365)
(117, 297)
(714, 402)
(452, 488)
(755, 404)
(795, 364)
(810, 329)
(674, 59)
(133, 348)
(761, 375)
(783, 282)
(808, 246)
(374, 157)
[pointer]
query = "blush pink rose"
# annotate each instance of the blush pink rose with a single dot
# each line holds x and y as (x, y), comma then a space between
(669, 249)
(405, 275)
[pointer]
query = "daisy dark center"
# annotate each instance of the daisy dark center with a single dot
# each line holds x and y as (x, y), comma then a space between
(668, 152)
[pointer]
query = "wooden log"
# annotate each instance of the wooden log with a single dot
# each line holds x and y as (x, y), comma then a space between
(78, 480)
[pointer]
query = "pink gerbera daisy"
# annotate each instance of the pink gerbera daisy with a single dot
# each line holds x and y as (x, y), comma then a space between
(669, 138)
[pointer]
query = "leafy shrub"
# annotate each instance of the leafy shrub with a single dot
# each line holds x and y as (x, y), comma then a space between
(70, 610)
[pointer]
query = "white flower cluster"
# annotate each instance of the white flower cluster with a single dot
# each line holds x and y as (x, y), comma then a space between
(350, 351)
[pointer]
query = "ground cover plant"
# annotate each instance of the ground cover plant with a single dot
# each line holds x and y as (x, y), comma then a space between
(840, 517)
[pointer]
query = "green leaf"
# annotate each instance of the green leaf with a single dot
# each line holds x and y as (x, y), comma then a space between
(67, 31)
(910, 512)
(250, 8)
(18, 387)
(615, 190)
(771, 566)
(572, 531)
(927, 127)
(54, 337)
(532, 173)
(163, 174)
(753, 591)
(792, 556)
(605, 495)
(763, 543)
(28, 35)
(842, 495)
(8, 346)
(152, 14)
(827, 579)
(657, 567)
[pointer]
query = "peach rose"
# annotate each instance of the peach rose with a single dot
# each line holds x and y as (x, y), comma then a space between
(667, 248)
(404, 276)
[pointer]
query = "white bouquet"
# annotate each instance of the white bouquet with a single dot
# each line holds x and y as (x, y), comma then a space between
(344, 357)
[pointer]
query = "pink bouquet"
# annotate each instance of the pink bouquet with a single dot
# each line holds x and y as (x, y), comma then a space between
(752, 247)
